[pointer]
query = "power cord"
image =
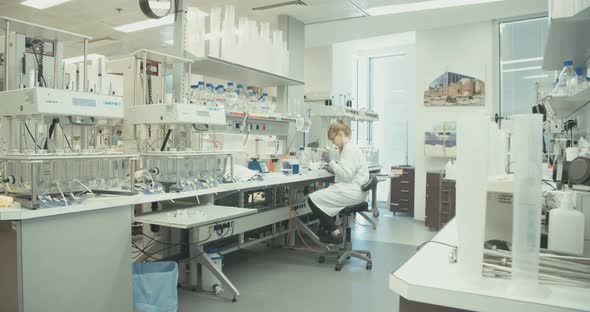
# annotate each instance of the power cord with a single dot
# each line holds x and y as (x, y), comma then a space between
(436, 242)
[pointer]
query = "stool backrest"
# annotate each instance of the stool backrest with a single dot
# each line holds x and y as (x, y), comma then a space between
(370, 184)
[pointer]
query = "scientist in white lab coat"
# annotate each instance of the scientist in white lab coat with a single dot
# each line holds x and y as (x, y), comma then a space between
(351, 172)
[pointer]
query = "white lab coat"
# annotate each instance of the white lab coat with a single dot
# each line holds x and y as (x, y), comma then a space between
(351, 172)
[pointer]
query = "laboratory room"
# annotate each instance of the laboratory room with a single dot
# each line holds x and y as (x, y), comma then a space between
(310, 155)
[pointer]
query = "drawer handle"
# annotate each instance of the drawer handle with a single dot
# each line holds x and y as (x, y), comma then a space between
(394, 204)
(405, 182)
(404, 200)
(405, 191)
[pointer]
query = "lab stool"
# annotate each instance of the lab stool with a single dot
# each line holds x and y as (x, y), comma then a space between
(347, 216)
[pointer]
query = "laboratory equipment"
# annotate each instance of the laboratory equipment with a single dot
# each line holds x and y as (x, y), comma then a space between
(527, 154)
(186, 171)
(220, 97)
(566, 227)
(578, 173)
(472, 136)
(583, 205)
(258, 165)
(63, 146)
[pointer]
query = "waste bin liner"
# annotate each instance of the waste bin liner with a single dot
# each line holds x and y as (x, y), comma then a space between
(154, 287)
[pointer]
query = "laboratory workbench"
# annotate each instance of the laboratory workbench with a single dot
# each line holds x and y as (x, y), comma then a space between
(109, 202)
(428, 281)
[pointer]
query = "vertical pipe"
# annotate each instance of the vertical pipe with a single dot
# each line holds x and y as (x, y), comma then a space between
(163, 76)
(85, 83)
(84, 139)
(6, 53)
(188, 81)
(187, 137)
(144, 81)
(526, 148)
(14, 135)
(472, 153)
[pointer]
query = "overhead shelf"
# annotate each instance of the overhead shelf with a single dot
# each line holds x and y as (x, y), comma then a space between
(568, 39)
(565, 106)
(343, 112)
(259, 117)
(222, 69)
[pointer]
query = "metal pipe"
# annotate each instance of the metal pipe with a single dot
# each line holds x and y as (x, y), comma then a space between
(144, 81)
(84, 139)
(6, 53)
(163, 79)
(85, 65)
(14, 135)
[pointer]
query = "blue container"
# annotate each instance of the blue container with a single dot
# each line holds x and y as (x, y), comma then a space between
(154, 287)
(295, 168)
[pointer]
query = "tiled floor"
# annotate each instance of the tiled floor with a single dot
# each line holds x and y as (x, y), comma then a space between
(279, 279)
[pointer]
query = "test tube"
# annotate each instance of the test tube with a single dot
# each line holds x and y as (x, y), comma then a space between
(527, 155)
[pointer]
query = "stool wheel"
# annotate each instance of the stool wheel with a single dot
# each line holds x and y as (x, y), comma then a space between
(234, 300)
(369, 266)
(376, 214)
(321, 259)
(338, 267)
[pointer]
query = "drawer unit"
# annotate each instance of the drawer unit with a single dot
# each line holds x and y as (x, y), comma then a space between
(401, 193)
(440, 200)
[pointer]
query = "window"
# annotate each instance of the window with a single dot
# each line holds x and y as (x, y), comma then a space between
(521, 55)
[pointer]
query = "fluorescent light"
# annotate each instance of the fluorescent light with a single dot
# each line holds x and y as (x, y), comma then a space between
(532, 59)
(536, 76)
(422, 5)
(42, 4)
(79, 59)
(521, 69)
(146, 24)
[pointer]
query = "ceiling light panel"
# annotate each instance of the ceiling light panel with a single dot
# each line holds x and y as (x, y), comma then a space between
(422, 6)
(145, 24)
(43, 4)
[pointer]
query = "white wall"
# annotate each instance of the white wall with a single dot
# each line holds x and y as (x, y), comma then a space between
(465, 49)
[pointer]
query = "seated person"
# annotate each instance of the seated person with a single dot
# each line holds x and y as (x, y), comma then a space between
(351, 172)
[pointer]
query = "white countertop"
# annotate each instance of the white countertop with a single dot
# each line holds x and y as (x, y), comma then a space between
(194, 216)
(428, 277)
(105, 201)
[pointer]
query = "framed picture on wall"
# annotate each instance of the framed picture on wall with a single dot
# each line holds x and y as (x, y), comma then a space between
(452, 89)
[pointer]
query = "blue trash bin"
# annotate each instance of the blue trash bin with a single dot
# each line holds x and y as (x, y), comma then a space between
(154, 287)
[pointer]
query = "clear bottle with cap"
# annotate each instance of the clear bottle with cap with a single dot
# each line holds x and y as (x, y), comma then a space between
(202, 94)
(220, 97)
(252, 107)
(301, 157)
(231, 97)
(210, 95)
(193, 99)
(567, 80)
(241, 100)
(580, 79)
(265, 104)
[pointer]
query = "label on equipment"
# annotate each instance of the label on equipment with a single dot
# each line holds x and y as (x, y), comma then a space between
(83, 102)
(112, 103)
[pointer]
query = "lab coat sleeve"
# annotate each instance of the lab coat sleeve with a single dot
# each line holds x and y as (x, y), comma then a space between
(347, 168)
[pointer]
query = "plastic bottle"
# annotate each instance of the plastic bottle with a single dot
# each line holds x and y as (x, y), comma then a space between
(241, 100)
(202, 94)
(210, 95)
(220, 97)
(231, 97)
(580, 80)
(567, 80)
(252, 104)
(301, 157)
(566, 227)
(194, 94)
(265, 104)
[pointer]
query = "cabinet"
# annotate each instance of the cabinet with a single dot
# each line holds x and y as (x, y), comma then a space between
(401, 193)
(440, 200)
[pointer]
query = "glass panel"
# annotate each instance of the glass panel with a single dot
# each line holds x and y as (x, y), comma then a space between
(521, 56)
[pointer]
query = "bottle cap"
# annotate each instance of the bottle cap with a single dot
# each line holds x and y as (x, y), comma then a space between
(230, 84)
(194, 86)
(201, 83)
(568, 63)
(264, 94)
